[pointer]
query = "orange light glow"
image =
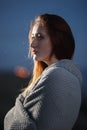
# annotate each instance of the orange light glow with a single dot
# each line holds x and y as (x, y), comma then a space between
(21, 72)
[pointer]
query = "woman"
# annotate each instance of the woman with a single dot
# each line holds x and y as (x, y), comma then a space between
(53, 98)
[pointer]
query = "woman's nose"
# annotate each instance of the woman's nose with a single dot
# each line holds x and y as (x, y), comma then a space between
(34, 44)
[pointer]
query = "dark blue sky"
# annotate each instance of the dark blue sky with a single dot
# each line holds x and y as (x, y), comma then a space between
(15, 19)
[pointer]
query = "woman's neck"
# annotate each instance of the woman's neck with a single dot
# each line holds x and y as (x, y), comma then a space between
(52, 60)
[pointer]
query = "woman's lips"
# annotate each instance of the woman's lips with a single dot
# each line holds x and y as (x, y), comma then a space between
(34, 51)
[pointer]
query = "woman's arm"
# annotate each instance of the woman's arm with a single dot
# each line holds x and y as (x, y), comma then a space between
(18, 118)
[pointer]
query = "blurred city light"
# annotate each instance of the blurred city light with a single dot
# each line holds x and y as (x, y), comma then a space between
(21, 72)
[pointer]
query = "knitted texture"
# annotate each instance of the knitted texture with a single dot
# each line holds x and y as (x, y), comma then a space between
(52, 104)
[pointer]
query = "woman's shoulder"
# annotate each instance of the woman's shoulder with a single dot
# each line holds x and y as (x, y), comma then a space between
(63, 68)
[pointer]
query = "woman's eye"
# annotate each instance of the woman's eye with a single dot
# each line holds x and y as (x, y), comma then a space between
(39, 36)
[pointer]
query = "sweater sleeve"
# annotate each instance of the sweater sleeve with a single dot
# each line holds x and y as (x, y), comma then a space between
(51, 101)
(17, 118)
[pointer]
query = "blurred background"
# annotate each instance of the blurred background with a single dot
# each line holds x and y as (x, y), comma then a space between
(15, 65)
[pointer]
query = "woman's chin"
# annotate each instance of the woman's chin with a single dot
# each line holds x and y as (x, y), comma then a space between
(36, 58)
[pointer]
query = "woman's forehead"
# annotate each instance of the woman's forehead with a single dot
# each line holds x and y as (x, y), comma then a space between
(37, 28)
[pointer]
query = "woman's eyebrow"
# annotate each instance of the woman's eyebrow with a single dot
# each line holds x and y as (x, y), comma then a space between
(36, 34)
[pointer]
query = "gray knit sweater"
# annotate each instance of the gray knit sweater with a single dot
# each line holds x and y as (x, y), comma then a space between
(52, 104)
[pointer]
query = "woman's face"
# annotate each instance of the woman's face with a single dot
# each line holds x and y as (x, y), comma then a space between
(40, 45)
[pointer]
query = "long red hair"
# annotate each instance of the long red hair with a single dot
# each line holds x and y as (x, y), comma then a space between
(62, 41)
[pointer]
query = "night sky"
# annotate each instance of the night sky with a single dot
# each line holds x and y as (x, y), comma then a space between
(15, 19)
